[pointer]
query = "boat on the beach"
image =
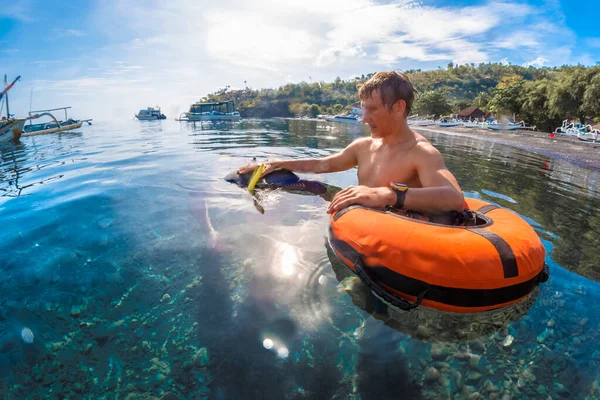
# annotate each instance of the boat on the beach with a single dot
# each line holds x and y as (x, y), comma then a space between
(585, 133)
(589, 135)
(344, 119)
(53, 126)
(496, 126)
(472, 124)
(150, 114)
(448, 123)
(10, 127)
(217, 111)
(421, 122)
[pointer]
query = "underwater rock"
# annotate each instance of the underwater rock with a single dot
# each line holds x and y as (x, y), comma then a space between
(105, 223)
(200, 358)
(561, 389)
(431, 374)
(545, 335)
(165, 298)
(474, 362)
(27, 335)
(439, 352)
(473, 377)
(541, 389)
(77, 309)
(508, 340)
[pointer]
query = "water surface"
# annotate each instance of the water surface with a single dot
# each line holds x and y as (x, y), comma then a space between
(142, 273)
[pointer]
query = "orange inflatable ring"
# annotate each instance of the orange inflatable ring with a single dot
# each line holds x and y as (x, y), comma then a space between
(408, 262)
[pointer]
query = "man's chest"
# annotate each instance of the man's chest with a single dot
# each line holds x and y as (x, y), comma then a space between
(379, 169)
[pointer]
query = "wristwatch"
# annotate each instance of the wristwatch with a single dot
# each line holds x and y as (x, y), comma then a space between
(400, 189)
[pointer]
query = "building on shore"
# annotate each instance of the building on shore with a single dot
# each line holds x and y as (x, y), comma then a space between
(471, 113)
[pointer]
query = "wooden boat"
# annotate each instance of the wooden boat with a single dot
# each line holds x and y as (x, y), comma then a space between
(53, 126)
(10, 128)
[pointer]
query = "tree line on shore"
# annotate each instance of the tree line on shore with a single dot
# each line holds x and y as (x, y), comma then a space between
(541, 97)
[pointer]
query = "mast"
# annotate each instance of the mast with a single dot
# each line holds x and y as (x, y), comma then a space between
(5, 92)
(7, 109)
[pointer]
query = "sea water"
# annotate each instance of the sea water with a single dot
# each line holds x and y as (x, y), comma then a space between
(131, 269)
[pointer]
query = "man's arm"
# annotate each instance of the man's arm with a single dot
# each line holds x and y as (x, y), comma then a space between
(440, 191)
(341, 161)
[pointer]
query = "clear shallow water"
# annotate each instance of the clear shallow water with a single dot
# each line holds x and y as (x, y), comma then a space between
(141, 273)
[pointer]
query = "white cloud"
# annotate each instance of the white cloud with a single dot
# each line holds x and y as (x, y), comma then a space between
(538, 62)
(504, 61)
(174, 52)
(19, 10)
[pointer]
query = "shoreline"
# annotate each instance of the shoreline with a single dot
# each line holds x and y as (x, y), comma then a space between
(567, 148)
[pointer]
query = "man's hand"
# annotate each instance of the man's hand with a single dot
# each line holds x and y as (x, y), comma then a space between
(269, 167)
(362, 195)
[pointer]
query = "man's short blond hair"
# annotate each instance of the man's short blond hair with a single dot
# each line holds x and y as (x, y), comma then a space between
(392, 86)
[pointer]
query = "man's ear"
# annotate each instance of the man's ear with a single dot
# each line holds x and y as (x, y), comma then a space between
(400, 107)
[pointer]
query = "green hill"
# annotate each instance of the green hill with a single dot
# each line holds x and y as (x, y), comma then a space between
(540, 96)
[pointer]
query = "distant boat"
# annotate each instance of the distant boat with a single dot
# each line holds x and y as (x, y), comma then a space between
(421, 122)
(588, 134)
(446, 123)
(345, 119)
(217, 111)
(495, 126)
(43, 128)
(470, 124)
(149, 114)
(10, 127)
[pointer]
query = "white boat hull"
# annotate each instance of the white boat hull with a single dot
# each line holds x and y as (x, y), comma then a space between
(147, 117)
(62, 128)
(343, 120)
(11, 130)
(502, 127)
(206, 117)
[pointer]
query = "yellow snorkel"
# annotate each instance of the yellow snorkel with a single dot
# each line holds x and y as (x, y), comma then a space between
(255, 177)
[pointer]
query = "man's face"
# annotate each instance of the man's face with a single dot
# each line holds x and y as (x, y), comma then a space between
(378, 116)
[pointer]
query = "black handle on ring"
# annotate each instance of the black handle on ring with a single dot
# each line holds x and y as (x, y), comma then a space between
(402, 304)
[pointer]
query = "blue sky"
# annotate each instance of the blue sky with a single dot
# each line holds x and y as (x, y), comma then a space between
(110, 58)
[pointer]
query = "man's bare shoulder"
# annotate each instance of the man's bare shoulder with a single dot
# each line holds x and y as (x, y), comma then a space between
(424, 150)
(360, 144)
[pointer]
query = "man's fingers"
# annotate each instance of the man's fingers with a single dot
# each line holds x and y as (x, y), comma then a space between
(247, 168)
(342, 201)
(267, 170)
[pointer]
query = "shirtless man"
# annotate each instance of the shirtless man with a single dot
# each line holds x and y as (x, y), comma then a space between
(396, 166)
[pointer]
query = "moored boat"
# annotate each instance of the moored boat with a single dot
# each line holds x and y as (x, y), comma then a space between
(217, 111)
(345, 119)
(494, 126)
(52, 126)
(10, 128)
(448, 123)
(150, 114)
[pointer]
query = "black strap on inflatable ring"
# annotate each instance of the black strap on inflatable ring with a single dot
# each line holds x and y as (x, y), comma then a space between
(395, 301)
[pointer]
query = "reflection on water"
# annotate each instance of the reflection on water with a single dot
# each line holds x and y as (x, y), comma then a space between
(140, 272)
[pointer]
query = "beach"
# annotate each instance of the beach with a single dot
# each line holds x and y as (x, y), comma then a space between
(563, 147)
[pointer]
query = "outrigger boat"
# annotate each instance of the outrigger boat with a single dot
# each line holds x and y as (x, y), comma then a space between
(52, 127)
(218, 111)
(10, 128)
